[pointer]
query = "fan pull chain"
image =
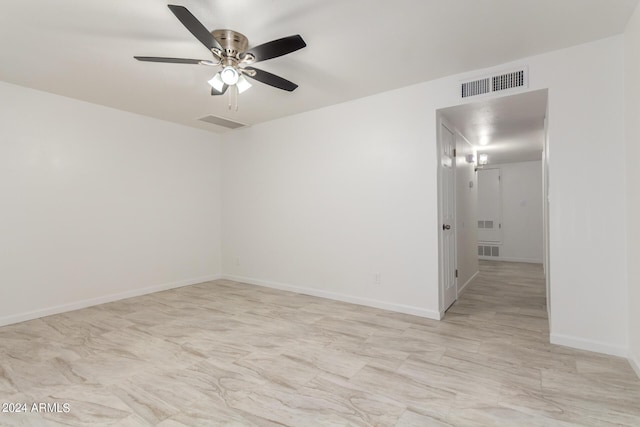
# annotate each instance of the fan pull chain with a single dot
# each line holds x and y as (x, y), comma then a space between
(233, 98)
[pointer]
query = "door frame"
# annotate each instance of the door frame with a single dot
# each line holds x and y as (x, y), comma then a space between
(547, 236)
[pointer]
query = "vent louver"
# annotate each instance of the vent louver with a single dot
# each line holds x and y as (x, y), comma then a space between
(503, 81)
(493, 251)
(229, 124)
(476, 87)
(508, 81)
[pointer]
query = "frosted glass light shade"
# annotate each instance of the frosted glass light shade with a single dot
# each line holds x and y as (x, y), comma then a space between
(216, 82)
(243, 84)
(229, 75)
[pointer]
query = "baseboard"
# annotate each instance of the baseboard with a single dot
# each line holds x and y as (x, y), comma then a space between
(509, 259)
(635, 364)
(463, 287)
(22, 317)
(589, 345)
(400, 308)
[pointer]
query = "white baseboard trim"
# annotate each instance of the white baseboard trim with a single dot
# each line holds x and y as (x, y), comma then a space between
(76, 305)
(635, 364)
(463, 287)
(400, 308)
(507, 259)
(583, 344)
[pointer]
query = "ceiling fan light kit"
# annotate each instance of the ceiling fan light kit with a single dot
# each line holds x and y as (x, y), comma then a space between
(216, 82)
(231, 51)
(229, 75)
(242, 84)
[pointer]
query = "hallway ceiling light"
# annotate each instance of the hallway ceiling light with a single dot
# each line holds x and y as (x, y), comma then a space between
(484, 140)
(483, 159)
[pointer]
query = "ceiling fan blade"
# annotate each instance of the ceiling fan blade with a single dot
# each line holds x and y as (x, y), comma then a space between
(271, 79)
(170, 60)
(276, 48)
(195, 27)
(214, 92)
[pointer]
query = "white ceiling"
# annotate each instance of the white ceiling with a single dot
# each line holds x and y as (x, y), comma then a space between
(512, 125)
(356, 48)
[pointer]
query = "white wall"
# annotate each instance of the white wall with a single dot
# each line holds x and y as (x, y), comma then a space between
(466, 214)
(632, 96)
(588, 284)
(323, 200)
(522, 229)
(99, 204)
(328, 199)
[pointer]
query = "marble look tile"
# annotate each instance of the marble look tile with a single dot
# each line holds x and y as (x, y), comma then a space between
(489, 415)
(408, 345)
(455, 381)
(210, 414)
(404, 388)
(20, 419)
(328, 359)
(35, 350)
(509, 374)
(376, 356)
(411, 418)
(283, 369)
(146, 404)
(442, 340)
(224, 353)
(25, 376)
(109, 368)
(89, 405)
(7, 384)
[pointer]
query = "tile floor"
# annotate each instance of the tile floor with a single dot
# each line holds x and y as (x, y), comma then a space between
(230, 354)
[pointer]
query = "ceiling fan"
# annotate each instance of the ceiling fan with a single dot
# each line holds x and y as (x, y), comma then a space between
(230, 51)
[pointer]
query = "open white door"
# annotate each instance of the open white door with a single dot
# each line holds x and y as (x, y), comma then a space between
(447, 217)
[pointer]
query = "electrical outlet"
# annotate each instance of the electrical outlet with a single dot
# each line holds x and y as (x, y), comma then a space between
(377, 278)
(237, 261)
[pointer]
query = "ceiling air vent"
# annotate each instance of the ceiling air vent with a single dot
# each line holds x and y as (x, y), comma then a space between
(504, 81)
(476, 87)
(508, 81)
(229, 124)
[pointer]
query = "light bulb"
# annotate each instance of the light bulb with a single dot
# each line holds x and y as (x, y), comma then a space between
(483, 159)
(229, 75)
(216, 82)
(243, 84)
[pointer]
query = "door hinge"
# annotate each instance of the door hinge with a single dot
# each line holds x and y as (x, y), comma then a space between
(456, 273)
(455, 152)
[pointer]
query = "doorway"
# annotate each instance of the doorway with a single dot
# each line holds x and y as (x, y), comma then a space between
(497, 184)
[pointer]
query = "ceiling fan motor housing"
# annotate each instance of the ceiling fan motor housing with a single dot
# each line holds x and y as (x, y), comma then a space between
(231, 41)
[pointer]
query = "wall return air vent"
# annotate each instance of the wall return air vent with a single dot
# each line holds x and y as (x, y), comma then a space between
(229, 124)
(515, 79)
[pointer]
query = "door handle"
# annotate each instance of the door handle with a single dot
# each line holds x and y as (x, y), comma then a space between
(446, 227)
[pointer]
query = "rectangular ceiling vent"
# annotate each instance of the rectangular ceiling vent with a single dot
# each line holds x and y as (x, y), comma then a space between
(515, 79)
(508, 80)
(476, 87)
(226, 123)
